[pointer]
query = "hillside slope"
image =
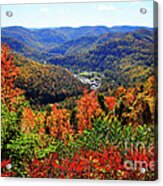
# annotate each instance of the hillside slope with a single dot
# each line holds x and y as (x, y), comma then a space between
(46, 83)
(124, 61)
(43, 40)
(123, 55)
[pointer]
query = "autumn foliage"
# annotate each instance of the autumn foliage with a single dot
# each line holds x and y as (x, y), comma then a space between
(9, 70)
(88, 164)
(78, 138)
(59, 123)
(85, 164)
(110, 101)
(9, 74)
(5, 172)
(88, 109)
(28, 120)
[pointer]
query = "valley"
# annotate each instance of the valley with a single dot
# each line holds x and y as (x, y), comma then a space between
(99, 58)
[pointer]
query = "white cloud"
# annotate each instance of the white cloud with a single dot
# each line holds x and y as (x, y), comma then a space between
(106, 7)
(44, 9)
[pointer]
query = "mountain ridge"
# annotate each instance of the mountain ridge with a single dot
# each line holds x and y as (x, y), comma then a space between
(125, 57)
(43, 40)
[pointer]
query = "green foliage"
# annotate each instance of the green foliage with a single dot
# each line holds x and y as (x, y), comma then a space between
(115, 131)
(98, 135)
(22, 149)
(10, 128)
(52, 147)
(44, 43)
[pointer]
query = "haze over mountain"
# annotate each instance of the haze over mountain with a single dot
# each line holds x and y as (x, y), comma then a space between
(123, 54)
(44, 38)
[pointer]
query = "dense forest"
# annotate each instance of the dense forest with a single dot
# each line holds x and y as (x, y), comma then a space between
(79, 102)
(115, 52)
(45, 84)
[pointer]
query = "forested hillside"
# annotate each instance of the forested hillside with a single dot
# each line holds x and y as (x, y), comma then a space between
(123, 55)
(123, 61)
(43, 41)
(79, 103)
(45, 84)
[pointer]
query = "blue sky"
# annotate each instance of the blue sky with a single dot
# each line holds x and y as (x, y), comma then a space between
(78, 14)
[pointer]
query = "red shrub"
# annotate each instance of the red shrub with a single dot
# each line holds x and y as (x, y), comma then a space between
(4, 172)
(86, 164)
(138, 160)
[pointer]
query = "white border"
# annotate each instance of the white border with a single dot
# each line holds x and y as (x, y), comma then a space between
(55, 182)
(60, 1)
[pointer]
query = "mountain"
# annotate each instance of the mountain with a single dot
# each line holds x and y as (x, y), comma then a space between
(83, 43)
(136, 43)
(46, 83)
(22, 35)
(124, 55)
(20, 47)
(124, 60)
(43, 39)
(127, 28)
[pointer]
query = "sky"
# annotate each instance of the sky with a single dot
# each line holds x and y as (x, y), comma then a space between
(78, 14)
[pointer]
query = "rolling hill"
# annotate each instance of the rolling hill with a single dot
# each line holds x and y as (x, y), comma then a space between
(46, 83)
(124, 61)
(124, 55)
(42, 40)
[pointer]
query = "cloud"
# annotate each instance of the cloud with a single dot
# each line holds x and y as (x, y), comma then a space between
(44, 9)
(106, 7)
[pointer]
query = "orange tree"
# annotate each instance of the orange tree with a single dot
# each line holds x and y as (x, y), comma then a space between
(58, 124)
(88, 109)
(9, 73)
